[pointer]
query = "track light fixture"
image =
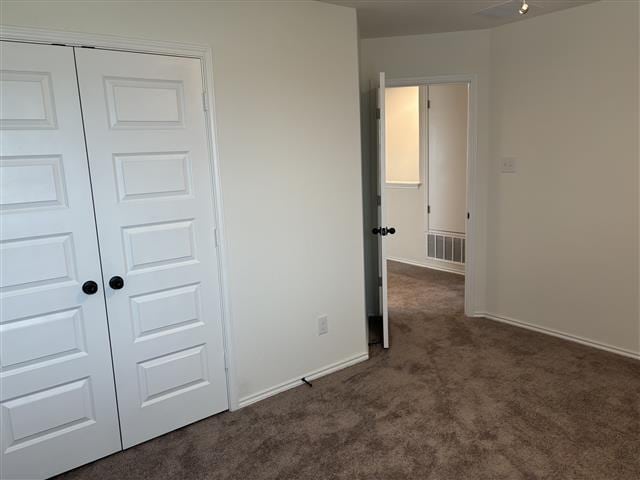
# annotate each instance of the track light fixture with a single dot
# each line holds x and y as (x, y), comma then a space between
(524, 8)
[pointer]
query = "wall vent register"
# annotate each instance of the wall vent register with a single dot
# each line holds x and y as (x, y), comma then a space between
(447, 247)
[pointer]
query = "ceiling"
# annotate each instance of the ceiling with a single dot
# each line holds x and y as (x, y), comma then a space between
(390, 18)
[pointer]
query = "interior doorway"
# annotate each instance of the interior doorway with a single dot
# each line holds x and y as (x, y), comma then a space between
(426, 129)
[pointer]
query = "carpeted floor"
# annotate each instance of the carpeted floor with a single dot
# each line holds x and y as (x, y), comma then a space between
(453, 399)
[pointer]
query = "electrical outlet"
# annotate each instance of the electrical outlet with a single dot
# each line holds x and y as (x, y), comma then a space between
(509, 165)
(323, 325)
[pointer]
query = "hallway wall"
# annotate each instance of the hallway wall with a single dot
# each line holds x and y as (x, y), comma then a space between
(424, 56)
(559, 245)
(563, 231)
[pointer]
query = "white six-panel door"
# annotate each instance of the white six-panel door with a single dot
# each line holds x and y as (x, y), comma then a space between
(146, 139)
(58, 407)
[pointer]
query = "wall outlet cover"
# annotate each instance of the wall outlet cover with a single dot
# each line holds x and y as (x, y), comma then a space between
(508, 165)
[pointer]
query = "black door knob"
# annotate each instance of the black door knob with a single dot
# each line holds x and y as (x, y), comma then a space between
(391, 230)
(90, 287)
(376, 230)
(116, 282)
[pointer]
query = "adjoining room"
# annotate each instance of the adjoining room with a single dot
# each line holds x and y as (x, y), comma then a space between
(424, 200)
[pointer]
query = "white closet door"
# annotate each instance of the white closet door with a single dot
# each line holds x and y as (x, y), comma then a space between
(58, 408)
(146, 138)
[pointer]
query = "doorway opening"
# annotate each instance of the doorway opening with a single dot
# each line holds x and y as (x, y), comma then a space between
(425, 149)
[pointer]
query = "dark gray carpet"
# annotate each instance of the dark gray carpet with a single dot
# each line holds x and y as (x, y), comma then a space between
(453, 399)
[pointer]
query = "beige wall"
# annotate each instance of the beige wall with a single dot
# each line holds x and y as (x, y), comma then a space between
(402, 129)
(405, 206)
(447, 159)
(559, 93)
(286, 91)
(425, 56)
(563, 231)
(405, 211)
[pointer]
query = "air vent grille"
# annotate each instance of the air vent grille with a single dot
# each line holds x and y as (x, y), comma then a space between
(446, 247)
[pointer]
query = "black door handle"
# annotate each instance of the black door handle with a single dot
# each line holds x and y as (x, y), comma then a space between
(116, 282)
(90, 287)
(383, 231)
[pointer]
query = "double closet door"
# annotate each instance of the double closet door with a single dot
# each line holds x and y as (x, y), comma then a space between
(110, 328)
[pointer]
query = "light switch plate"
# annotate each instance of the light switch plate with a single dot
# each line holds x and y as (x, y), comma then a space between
(323, 325)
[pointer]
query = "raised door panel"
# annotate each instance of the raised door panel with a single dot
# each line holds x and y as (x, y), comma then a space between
(35, 340)
(47, 415)
(159, 246)
(171, 175)
(56, 262)
(166, 311)
(27, 100)
(57, 396)
(144, 103)
(173, 374)
(146, 138)
(32, 182)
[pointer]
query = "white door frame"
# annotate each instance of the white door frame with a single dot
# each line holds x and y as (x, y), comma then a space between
(205, 55)
(472, 155)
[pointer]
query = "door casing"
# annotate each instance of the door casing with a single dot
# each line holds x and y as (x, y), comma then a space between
(190, 50)
(472, 202)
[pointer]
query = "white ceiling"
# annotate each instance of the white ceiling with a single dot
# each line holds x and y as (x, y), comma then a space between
(389, 18)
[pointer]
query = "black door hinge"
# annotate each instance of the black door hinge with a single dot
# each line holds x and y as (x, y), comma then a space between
(377, 114)
(468, 215)
(428, 208)
(379, 281)
(428, 103)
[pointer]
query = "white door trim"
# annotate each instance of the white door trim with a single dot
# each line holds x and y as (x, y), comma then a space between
(205, 54)
(473, 205)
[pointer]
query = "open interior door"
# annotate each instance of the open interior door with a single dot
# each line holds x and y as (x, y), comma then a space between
(381, 229)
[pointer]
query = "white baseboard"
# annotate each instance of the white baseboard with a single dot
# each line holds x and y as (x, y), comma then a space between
(321, 372)
(563, 335)
(458, 269)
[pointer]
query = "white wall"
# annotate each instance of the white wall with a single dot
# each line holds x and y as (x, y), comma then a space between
(286, 91)
(559, 93)
(425, 56)
(563, 231)
(448, 155)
